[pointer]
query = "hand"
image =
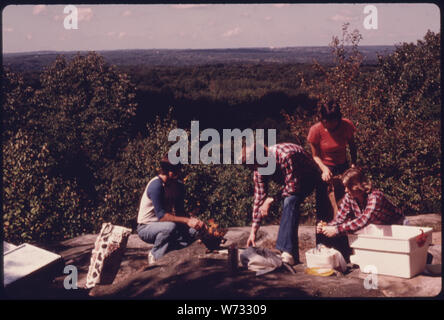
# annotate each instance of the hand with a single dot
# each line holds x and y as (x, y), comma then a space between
(330, 231)
(252, 239)
(263, 209)
(326, 175)
(320, 227)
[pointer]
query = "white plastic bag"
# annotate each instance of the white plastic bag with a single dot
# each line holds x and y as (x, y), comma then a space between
(323, 257)
(261, 260)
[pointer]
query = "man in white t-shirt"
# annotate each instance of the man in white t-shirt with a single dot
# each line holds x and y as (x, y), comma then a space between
(162, 220)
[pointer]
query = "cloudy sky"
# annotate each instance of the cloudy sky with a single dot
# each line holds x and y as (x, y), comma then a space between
(109, 27)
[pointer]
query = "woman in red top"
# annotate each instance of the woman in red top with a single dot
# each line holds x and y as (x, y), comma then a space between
(328, 141)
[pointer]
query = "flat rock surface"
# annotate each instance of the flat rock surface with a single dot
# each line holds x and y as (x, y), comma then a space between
(192, 273)
(426, 220)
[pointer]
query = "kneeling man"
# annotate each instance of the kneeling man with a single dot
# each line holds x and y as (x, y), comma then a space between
(162, 220)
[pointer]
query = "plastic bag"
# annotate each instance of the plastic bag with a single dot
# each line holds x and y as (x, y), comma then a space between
(107, 254)
(261, 260)
(323, 257)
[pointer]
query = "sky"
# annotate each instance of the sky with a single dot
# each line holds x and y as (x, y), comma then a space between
(111, 27)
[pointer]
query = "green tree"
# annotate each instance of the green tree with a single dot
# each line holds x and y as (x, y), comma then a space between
(86, 109)
(38, 206)
(60, 138)
(16, 99)
(398, 116)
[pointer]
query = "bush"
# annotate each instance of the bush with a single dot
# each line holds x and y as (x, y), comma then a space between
(86, 110)
(398, 117)
(38, 206)
(57, 140)
(16, 99)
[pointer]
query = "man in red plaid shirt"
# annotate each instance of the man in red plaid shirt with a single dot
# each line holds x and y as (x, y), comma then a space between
(361, 206)
(299, 176)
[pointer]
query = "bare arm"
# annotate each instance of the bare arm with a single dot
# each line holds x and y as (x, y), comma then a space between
(190, 222)
(326, 173)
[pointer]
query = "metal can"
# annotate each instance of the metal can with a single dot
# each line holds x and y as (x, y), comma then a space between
(233, 258)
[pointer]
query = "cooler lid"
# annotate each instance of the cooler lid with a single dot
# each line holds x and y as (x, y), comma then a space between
(23, 260)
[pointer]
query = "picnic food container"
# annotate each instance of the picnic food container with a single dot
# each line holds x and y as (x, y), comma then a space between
(394, 250)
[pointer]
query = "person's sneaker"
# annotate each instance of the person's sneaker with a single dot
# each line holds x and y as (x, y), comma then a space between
(151, 259)
(287, 258)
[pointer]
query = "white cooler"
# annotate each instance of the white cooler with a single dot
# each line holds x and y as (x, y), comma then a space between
(394, 250)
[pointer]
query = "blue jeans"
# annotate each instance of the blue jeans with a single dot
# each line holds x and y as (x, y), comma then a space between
(166, 236)
(288, 228)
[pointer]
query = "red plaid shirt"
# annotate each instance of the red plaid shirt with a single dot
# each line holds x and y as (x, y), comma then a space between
(379, 210)
(294, 163)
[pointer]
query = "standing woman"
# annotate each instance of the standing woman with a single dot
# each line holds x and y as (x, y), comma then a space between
(328, 141)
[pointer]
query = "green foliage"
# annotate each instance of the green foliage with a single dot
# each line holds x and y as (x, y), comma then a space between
(125, 178)
(86, 107)
(36, 205)
(15, 101)
(57, 140)
(227, 189)
(399, 113)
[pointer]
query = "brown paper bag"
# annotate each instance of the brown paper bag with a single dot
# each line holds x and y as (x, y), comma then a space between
(107, 254)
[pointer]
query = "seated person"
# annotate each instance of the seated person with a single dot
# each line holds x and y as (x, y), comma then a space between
(361, 206)
(162, 220)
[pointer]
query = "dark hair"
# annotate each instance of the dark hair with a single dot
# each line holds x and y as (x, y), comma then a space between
(172, 191)
(330, 111)
(166, 166)
(252, 151)
(172, 187)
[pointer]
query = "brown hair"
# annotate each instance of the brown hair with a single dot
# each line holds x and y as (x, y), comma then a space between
(330, 111)
(355, 178)
(172, 188)
(166, 166)
(251, 151)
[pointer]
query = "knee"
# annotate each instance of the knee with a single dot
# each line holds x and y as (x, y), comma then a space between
(291, 201)
(168, 228)
(144, 234)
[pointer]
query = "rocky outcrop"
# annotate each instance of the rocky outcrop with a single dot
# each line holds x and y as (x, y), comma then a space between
(192, 273)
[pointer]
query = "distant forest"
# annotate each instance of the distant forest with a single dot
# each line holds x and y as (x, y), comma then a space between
(210, 85)
(36, 61)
